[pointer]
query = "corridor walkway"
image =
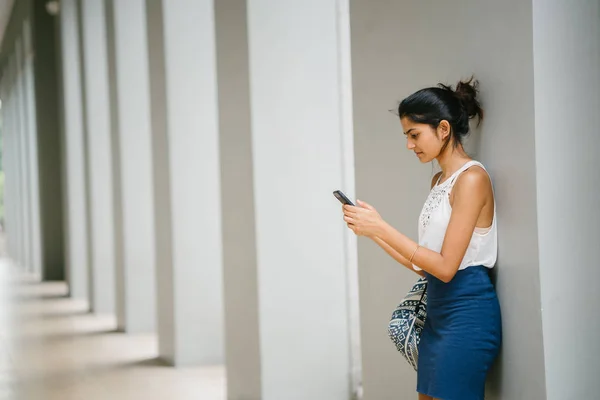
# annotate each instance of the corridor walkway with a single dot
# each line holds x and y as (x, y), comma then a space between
(51, 348)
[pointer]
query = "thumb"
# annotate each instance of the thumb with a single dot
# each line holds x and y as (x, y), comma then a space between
(365, 205)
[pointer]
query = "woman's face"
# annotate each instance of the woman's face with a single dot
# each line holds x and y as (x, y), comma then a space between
(425, 141)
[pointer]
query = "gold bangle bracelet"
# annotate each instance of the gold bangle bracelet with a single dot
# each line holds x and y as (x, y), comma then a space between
(413, 254)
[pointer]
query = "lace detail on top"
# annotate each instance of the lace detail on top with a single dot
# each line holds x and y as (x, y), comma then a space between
(432, 203)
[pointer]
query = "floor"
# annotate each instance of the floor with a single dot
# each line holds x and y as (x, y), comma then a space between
(51, 348)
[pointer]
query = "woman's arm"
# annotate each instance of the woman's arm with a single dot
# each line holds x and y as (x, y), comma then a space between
(395, 255)
(469, 198)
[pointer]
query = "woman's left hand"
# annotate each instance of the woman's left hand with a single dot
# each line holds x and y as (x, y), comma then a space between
(363, 220)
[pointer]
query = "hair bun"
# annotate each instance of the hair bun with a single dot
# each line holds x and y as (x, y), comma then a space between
(467, 93)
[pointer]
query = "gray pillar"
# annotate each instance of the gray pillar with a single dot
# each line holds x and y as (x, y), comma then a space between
(6, 121)
(394, 56)
(86, 160)
(18, 183)
(115, 141)
(8, 158)
(10, 161)
(566, 49)
(239, 238)
(50, 156)
(186, 153)
(78, 226)
(25, 167)
(131, 49)
(32, 150)
(297, 162)
(99, 155)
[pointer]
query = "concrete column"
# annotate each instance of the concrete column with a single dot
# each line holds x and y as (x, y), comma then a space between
(239, 235)
(297, 143)
(22, 150)
(10, 161)
(131, 49)
(4, 103)
(16, 167)
(117, 197)
(99, 153)
(24, 157)
(16, 187)
(566, 43)
(186, 156)
(6, 121)
(18, 183)
(32, 150)
(46, 78)
(86, 160)
(78, 226)
(7, 164)
(8, 158)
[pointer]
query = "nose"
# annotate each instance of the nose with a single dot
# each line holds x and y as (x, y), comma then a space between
(409, 144)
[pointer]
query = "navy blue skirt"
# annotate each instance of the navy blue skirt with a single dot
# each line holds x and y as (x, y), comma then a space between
(461, 337)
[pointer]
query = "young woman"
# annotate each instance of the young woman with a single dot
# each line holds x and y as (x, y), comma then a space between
(456, 248)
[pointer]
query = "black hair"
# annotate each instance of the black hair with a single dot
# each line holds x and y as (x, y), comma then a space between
(434, 104)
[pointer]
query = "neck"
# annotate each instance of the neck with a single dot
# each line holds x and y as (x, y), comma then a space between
(452, 159)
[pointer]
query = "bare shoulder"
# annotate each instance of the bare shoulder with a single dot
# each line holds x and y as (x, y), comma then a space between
(435, 179)
(473, 181)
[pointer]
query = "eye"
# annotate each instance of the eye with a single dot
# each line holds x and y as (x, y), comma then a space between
(414, 135)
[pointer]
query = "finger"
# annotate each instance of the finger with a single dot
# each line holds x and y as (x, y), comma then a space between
(349, 220)
(365, 205)
(350, 214)
(349, 208)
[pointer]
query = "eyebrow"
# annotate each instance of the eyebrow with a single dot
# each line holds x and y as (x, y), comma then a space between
(408, 131)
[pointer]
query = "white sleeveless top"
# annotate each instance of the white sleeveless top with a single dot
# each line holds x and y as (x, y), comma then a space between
(434, 219)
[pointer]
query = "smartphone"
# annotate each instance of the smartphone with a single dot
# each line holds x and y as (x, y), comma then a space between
(342, 198)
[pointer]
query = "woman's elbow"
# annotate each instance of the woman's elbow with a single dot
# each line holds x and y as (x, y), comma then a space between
(448, 274)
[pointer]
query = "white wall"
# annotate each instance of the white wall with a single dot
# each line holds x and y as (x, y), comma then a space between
(567, 100)
(398, 48)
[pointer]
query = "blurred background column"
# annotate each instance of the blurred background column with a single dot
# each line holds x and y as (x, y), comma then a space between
(99, 155)
(117, 179)
(24, 158)
(78, 224)
(46, 77)
(138, 277)
(237, 193)
(30, 135)
(11, 160)
(187, 186)
(299, 150)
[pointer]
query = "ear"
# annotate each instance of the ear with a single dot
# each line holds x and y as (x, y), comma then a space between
(443, 129)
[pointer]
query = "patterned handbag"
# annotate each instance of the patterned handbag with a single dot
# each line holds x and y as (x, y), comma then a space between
(408, 320)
